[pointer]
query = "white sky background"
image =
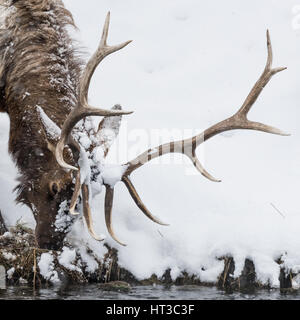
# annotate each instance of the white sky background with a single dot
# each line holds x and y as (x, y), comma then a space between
(192, 64)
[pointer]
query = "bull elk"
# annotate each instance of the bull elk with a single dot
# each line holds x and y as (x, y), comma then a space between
(59, 154)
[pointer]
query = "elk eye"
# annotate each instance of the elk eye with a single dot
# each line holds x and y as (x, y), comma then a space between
(54, 188)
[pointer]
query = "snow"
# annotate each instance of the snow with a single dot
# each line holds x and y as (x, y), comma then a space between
(89, 261)
(63, 219)
(192, 63)
(112, 174)
(46, 266)
(67, 259)
(10, 272)
(8, 255)
(26, 94)
(85, 167)
(7, 235)
(110, 127)
(8, 173)
(81, 239)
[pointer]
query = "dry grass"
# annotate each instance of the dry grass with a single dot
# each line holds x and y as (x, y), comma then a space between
(18, 252)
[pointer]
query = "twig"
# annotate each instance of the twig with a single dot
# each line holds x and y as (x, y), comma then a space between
(160, 234)
(226, 269)
(34, 268)
(277, 210)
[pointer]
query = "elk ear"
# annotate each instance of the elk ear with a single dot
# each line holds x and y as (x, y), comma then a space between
(51, 130)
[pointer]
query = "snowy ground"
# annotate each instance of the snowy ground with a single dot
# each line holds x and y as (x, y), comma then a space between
(191, 64)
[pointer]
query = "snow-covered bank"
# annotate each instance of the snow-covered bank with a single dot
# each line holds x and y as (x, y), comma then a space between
(23, 263)
(191, 64)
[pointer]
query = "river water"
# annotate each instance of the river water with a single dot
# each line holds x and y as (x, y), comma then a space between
(92, 292)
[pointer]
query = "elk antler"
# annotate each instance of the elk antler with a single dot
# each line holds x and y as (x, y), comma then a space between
(83, 109)
(188, 147)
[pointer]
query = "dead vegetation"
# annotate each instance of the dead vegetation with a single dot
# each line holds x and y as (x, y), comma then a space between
(20, 256)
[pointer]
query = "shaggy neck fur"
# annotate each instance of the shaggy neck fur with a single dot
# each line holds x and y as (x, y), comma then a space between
(39, 68)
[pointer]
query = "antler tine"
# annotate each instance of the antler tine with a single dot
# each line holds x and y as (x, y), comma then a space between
(103, 51)
(139, 202)
(252, 125)
(266, 76)
(109, 198)
(84, 109)
(270, 52)
(76, 195)
(104, 37)
(197, 164)
(87, 212)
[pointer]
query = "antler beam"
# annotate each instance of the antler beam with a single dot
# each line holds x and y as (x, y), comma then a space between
(83, 109)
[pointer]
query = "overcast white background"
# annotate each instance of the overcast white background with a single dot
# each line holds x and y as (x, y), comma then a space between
(191, 64)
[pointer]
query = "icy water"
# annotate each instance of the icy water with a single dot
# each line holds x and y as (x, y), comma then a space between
(92, 292)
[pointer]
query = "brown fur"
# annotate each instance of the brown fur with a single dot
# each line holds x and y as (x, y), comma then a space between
(40, 67)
